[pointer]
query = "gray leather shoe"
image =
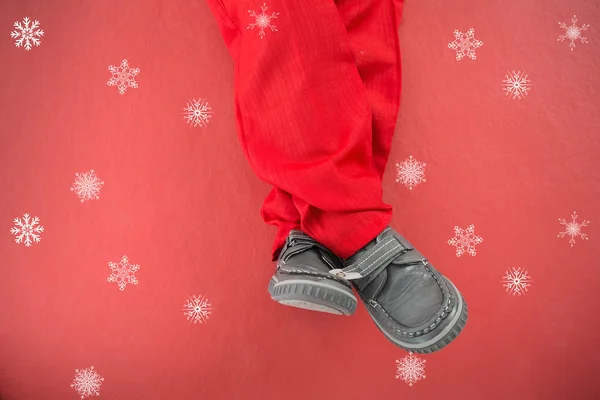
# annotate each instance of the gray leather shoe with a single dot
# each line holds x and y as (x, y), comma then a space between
(303, 280)
(415, 306)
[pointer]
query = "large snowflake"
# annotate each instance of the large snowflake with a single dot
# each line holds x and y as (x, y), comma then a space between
(27, 230)
(26, 33)
(123, 76)
(573, 32)
(197, 113)
(465, 44)
(410, 172)
(123, 273)
(87, 186)
(573, 228)
(516, 85)
(197, 309)
(516, 281)
(262, 20)
(465, 240)
(87, 382)
(410, 369)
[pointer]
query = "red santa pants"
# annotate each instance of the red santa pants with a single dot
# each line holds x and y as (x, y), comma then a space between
(317, 92)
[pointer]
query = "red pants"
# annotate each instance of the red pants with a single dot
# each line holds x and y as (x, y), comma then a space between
(317, 93)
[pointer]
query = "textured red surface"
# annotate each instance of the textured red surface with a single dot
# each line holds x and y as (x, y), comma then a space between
(182, 203)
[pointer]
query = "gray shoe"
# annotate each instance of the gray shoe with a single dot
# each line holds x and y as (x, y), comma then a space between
(303, 280)
(415, 306)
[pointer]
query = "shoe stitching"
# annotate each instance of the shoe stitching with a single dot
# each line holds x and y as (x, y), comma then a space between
(322, 276)
(444, 314)
(445, 310)
(374, 266)
(380, 286)
(325, 254)
(307, 239)
(366, 256)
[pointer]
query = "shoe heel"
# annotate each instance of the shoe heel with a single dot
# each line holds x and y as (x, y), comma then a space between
(323, 296)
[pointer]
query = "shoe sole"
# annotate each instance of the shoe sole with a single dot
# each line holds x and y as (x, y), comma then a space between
(442, 339)
(325, 296)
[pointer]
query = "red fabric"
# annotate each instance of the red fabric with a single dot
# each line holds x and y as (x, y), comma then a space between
(316, 110)
(182, 203)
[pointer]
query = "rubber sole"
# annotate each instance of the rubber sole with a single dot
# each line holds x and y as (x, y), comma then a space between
(441, 339)
(324, 296)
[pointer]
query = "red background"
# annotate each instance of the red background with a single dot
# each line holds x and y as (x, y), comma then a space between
(183, 203)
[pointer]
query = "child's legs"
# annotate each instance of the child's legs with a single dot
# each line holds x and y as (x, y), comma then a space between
(372, 29)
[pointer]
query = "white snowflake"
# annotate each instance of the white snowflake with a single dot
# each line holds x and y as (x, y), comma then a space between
(516, 85)
(197, 113)
(197, 309)
(410, 172)
(87, 382)
(573, 228)
(123, 76)
(262, 20)
(410, 369)
(87, 185)
(573, 32)
(465, 240)
(516, 281)
(123, 273)
(28, 230)
(465, 44)
(26, 33)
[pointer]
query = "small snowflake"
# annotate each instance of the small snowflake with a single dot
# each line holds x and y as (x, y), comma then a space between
(28, 230)
(87, 382)
(410, 172)
(573, 32)
(123, 273)
(123, 76)
(197, 309)
(573, 228)
(516, 85)
(516, 281)
(465, 44)
(465, 240)
(410, 369)
(28, 34)
(262, 20)
(197, 113)
(87, 186)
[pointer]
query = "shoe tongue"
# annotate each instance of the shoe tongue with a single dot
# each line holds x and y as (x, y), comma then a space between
(416, 296)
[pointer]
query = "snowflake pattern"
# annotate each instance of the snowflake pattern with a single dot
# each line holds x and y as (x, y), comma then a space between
(197, 309)
(465, 44)
(516, 85)
(573, 32)
(123, 273)
(27, 231)
(30, 34)
(262, 20)
(87, 382)
(465, 240)
(573, 228)
(123, 76)
(410, 369)
(87, 186)
(410, 172)
(516, 281)
(197, 113)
